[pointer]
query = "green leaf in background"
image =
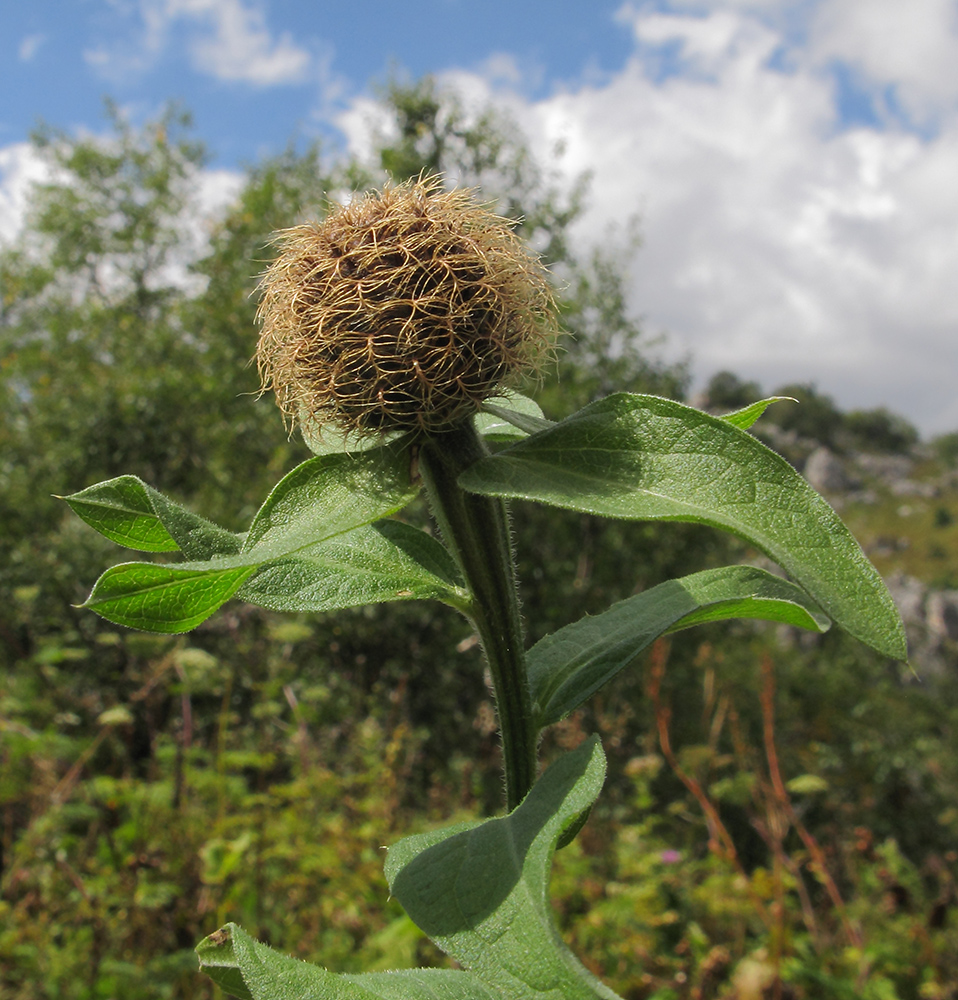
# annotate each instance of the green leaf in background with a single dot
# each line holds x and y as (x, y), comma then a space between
(249, 970)
(568, 666)
(510, 418)
(648, 458)
(480, 891)
(747, 416)
(134, 515)
(329, 440)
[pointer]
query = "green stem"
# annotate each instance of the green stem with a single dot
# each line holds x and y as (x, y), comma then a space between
(476, 531)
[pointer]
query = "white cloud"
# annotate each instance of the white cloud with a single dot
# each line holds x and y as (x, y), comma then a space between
(227, 39)
(29, 45)
(20, 168)
(911, 46)
(239, 45)
(778, 241)
(211, 194)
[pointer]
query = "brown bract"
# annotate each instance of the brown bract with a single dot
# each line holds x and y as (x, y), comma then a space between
(402, 311)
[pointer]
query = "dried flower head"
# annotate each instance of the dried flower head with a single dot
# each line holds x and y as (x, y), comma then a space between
(401, 311)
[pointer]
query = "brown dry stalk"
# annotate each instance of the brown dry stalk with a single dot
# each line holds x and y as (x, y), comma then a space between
(720, 840)
(814, 849)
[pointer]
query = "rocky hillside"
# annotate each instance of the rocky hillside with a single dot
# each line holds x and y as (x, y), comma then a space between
(898, 495)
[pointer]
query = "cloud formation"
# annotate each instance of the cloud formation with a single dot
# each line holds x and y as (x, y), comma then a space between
(20, 169)
(29, 45)
(226, 39)
(782, 239)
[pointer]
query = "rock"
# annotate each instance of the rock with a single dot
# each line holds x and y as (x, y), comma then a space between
(885, 467)
(909, 488)
(825, 472)
(909, 594)
(941, 614)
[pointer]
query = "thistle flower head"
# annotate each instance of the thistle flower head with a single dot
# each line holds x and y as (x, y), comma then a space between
(402, 311)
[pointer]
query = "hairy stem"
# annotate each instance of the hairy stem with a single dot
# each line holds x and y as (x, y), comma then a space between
(476, 531)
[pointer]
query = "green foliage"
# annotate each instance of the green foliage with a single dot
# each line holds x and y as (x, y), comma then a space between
(946, 445)
(115, 879)
(879, 431)
(601, 460)
(813, 414)
(726, 391)
(496, 922)
(103, 261)
(746, 415)
(308, 548)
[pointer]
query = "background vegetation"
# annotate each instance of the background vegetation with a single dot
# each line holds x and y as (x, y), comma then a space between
(780, 818)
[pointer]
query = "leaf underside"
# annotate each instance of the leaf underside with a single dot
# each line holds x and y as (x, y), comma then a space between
(570, 665)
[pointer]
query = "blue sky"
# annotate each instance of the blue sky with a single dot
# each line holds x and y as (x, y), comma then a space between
(791, 164)
(292, 64)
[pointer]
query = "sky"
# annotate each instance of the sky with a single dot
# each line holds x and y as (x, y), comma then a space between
(792, 164)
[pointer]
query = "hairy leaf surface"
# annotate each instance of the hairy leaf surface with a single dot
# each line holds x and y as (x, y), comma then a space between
(249, 970)
(135, 515)
(480, 891)
(648, 458)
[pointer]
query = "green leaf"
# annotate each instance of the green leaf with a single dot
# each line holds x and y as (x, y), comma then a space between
(568, 666)
(250, 970)
(647, 458)
(134, 515)
(330, 494)
(480, 891)
(386, 561)
(747, 416)
(807, 784)
(311, 548)
(165, 599)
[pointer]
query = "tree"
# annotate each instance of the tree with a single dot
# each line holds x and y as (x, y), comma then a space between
(879, 430)
(99, 373)
(813, 416)
(94, 379)
(726, 391)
